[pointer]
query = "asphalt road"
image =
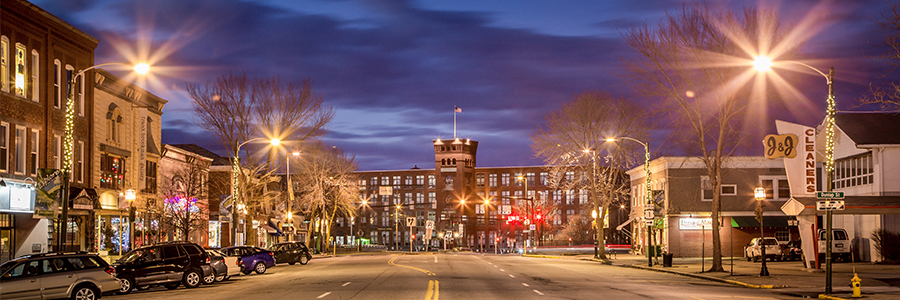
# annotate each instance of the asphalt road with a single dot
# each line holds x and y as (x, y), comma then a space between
(456, 276)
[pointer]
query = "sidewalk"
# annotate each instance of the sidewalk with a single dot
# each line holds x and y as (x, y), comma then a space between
(786, 277)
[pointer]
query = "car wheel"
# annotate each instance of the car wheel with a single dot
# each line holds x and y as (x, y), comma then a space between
(755, 258)
(304, 259)
(260, 268)
(126, 284)
(172, 286)
(192, 279)
(85, 292)
(220, 278)
(211, 278)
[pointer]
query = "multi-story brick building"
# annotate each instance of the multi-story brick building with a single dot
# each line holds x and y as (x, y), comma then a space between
(39, 53)
(474, 207)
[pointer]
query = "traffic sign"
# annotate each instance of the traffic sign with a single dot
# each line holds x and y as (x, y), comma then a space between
(410, 221)
(531, 227)
(429, 224)
(792, 207)
(830, 205)
(829, 195)
(648, 222)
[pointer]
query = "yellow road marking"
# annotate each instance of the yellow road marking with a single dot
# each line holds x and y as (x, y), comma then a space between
(393, 263)
(433, 290)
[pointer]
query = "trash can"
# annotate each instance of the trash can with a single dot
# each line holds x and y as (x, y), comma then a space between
(667, 259)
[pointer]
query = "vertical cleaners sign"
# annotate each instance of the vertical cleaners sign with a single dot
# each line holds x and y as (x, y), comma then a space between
(800, 169)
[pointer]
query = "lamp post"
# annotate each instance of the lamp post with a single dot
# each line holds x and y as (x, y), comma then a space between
(762, 64)
(68, 145)
(530, 213)
(648, 211)
(760, 194)
(290, 204)
(234, 185)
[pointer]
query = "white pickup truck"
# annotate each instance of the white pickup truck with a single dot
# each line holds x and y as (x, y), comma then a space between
(840, 245)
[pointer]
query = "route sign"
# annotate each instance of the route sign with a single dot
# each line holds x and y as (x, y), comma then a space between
(410, 221)
(792, 207)
(829, 195)
(830, 205)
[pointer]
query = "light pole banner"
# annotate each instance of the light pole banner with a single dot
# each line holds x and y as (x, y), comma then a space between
(801, 169)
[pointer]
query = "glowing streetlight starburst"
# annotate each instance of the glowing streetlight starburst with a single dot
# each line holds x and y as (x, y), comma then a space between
(762, 63)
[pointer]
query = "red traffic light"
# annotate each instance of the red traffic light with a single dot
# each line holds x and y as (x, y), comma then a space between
(538, 216)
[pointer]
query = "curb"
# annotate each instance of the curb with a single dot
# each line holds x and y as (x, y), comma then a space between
(710, 278)
(823, 296)
(541, 256)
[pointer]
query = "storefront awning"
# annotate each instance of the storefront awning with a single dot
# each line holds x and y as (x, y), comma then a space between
(272, 229)
(774, 221)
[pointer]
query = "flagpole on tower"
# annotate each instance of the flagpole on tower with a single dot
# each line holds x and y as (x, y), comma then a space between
(455, 110)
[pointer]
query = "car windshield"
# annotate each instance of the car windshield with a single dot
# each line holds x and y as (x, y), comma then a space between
(7, 265)
(131, 256)
(770, 241)
(215, 252)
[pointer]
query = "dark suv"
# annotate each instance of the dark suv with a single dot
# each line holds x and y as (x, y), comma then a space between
(291, 253)
(75, 275)
(170, 264)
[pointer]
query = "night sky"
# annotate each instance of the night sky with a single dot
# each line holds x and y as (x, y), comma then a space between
(393, 70)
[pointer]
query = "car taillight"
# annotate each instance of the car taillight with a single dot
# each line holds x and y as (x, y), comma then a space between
(207, 259)
(111, 271)
(237, 262)
(271, 253)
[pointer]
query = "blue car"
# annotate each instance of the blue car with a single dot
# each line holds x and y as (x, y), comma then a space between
(252, 259)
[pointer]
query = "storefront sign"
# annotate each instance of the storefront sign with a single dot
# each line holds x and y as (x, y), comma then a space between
(694, 223)
(800, 169)
(17, 197)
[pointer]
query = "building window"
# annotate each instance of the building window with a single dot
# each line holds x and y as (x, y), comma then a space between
(420, 198)
(150, 178)
(35, 70)
(79, 107)
(544, 176)
(111, 171)
(409, 198)
(729, 190)
(20, 150)
(853, 171)
(431, 181)
(35, 146)
(70, 71)
(706, 189)
(530, 178)
(776, 187)
(782, 235)
(570, 176)
(504, 197)
(373, 181)
(479, 180)
(4, 63)
(492, 180)
(4, 147)
(57, 93)
(432, 198)
(385, 181)
(408, 181)
(57, 151)
(79, 162)
(20, 70)
(113, 129)
(396, 182)
(420, 181)
(583, 196)
(504, 179)
(570, 197)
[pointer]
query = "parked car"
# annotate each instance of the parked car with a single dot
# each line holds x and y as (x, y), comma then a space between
(253, 259)
(75, 275)
(754, 252)
(291, 253)
(840, 244)
(791, 251)
(223, 265)
(170, 264)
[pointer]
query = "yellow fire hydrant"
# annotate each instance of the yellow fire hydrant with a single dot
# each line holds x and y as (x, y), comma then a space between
(854, 283)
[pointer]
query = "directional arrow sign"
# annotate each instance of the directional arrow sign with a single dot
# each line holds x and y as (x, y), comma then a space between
(830, 205)
(830, 195)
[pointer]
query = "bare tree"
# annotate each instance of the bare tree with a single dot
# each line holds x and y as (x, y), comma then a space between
(887, 95)
(185, 211)
(572, 142)
(696, 62)
(234, 108)
(328, 187)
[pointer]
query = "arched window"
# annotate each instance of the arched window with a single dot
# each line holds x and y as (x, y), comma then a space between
(454, 161)
(113, 119)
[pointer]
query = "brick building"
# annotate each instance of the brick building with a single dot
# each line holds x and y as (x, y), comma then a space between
(38, 54)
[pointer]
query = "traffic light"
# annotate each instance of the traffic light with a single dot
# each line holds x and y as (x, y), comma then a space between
(498, 239)
(538, 216)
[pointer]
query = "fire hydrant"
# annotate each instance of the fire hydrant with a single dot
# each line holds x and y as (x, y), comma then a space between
(854, 283)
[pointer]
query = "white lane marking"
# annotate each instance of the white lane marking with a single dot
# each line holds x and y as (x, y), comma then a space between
(501, 270)
(346, 283)
(323, 295)
(435, 259)
(511, 275)
(538, 292)
(496, 266)
(525, 284)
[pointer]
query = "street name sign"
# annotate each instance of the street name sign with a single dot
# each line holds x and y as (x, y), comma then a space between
(829, 195)
(830, 205)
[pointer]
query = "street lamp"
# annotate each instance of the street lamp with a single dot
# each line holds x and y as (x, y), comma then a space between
(68, 146)
(760, 194)
(530, 212)
(290, 204)
(234, 184)
(764, 63)
(648, 211)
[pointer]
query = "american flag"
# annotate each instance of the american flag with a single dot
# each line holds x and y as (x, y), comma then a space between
(457, 109)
